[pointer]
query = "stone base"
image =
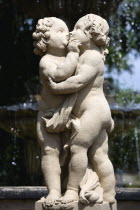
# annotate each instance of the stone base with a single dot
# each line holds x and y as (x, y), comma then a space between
(77, 206)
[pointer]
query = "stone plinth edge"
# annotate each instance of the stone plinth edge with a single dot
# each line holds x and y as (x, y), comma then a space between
(79, 206)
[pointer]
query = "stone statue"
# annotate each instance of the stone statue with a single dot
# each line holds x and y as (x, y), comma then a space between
(74, 116)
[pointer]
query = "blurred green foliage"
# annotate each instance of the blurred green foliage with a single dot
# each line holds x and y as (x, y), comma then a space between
(126, 97)
(125, 36)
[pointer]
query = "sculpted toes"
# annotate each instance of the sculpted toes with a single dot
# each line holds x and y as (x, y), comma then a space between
(56, 202)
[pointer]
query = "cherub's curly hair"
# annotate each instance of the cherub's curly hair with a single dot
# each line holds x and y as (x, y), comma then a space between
(99, 29)
(41, 35)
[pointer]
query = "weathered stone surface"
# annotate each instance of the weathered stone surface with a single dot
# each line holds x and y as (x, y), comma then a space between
(38, 205)
(78, 206)
(30, 205)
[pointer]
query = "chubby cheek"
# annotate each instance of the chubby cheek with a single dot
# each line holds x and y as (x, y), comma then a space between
(59, 41)
(65, 42)
(77, 35)
(52, 40)
(63, 39)
(66, 38)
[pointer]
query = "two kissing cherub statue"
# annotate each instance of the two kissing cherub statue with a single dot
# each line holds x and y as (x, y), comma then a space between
(74, 117)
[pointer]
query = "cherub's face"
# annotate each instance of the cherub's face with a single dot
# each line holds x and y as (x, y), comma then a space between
(80, 33)
(59, 35)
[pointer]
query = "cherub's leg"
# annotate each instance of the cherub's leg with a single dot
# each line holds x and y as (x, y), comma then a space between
(50, 149)
(77, 169)
(87, 133)
(101, 163)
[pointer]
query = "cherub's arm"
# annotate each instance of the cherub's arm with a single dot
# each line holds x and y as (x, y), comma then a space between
(87, 73)
(74, 83)
(66, 68)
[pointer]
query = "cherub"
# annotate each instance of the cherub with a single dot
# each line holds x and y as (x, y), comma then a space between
(91, 108)
(51, 40)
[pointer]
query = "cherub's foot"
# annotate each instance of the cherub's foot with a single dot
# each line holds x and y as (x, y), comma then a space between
(52, 198)
(70, 196)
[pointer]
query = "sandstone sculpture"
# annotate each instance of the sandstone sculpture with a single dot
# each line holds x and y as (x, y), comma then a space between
(74, 117)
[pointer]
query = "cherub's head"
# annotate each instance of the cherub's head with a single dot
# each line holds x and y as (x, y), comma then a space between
(91, 27)
(51, 33)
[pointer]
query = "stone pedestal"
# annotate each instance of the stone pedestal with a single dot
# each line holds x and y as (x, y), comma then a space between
(78, 206)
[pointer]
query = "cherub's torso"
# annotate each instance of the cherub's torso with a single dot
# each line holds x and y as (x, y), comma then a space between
(91, 98)
(48, 99)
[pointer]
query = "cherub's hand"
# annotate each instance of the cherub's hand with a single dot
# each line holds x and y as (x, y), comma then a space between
(74, 45)
(52, 85)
